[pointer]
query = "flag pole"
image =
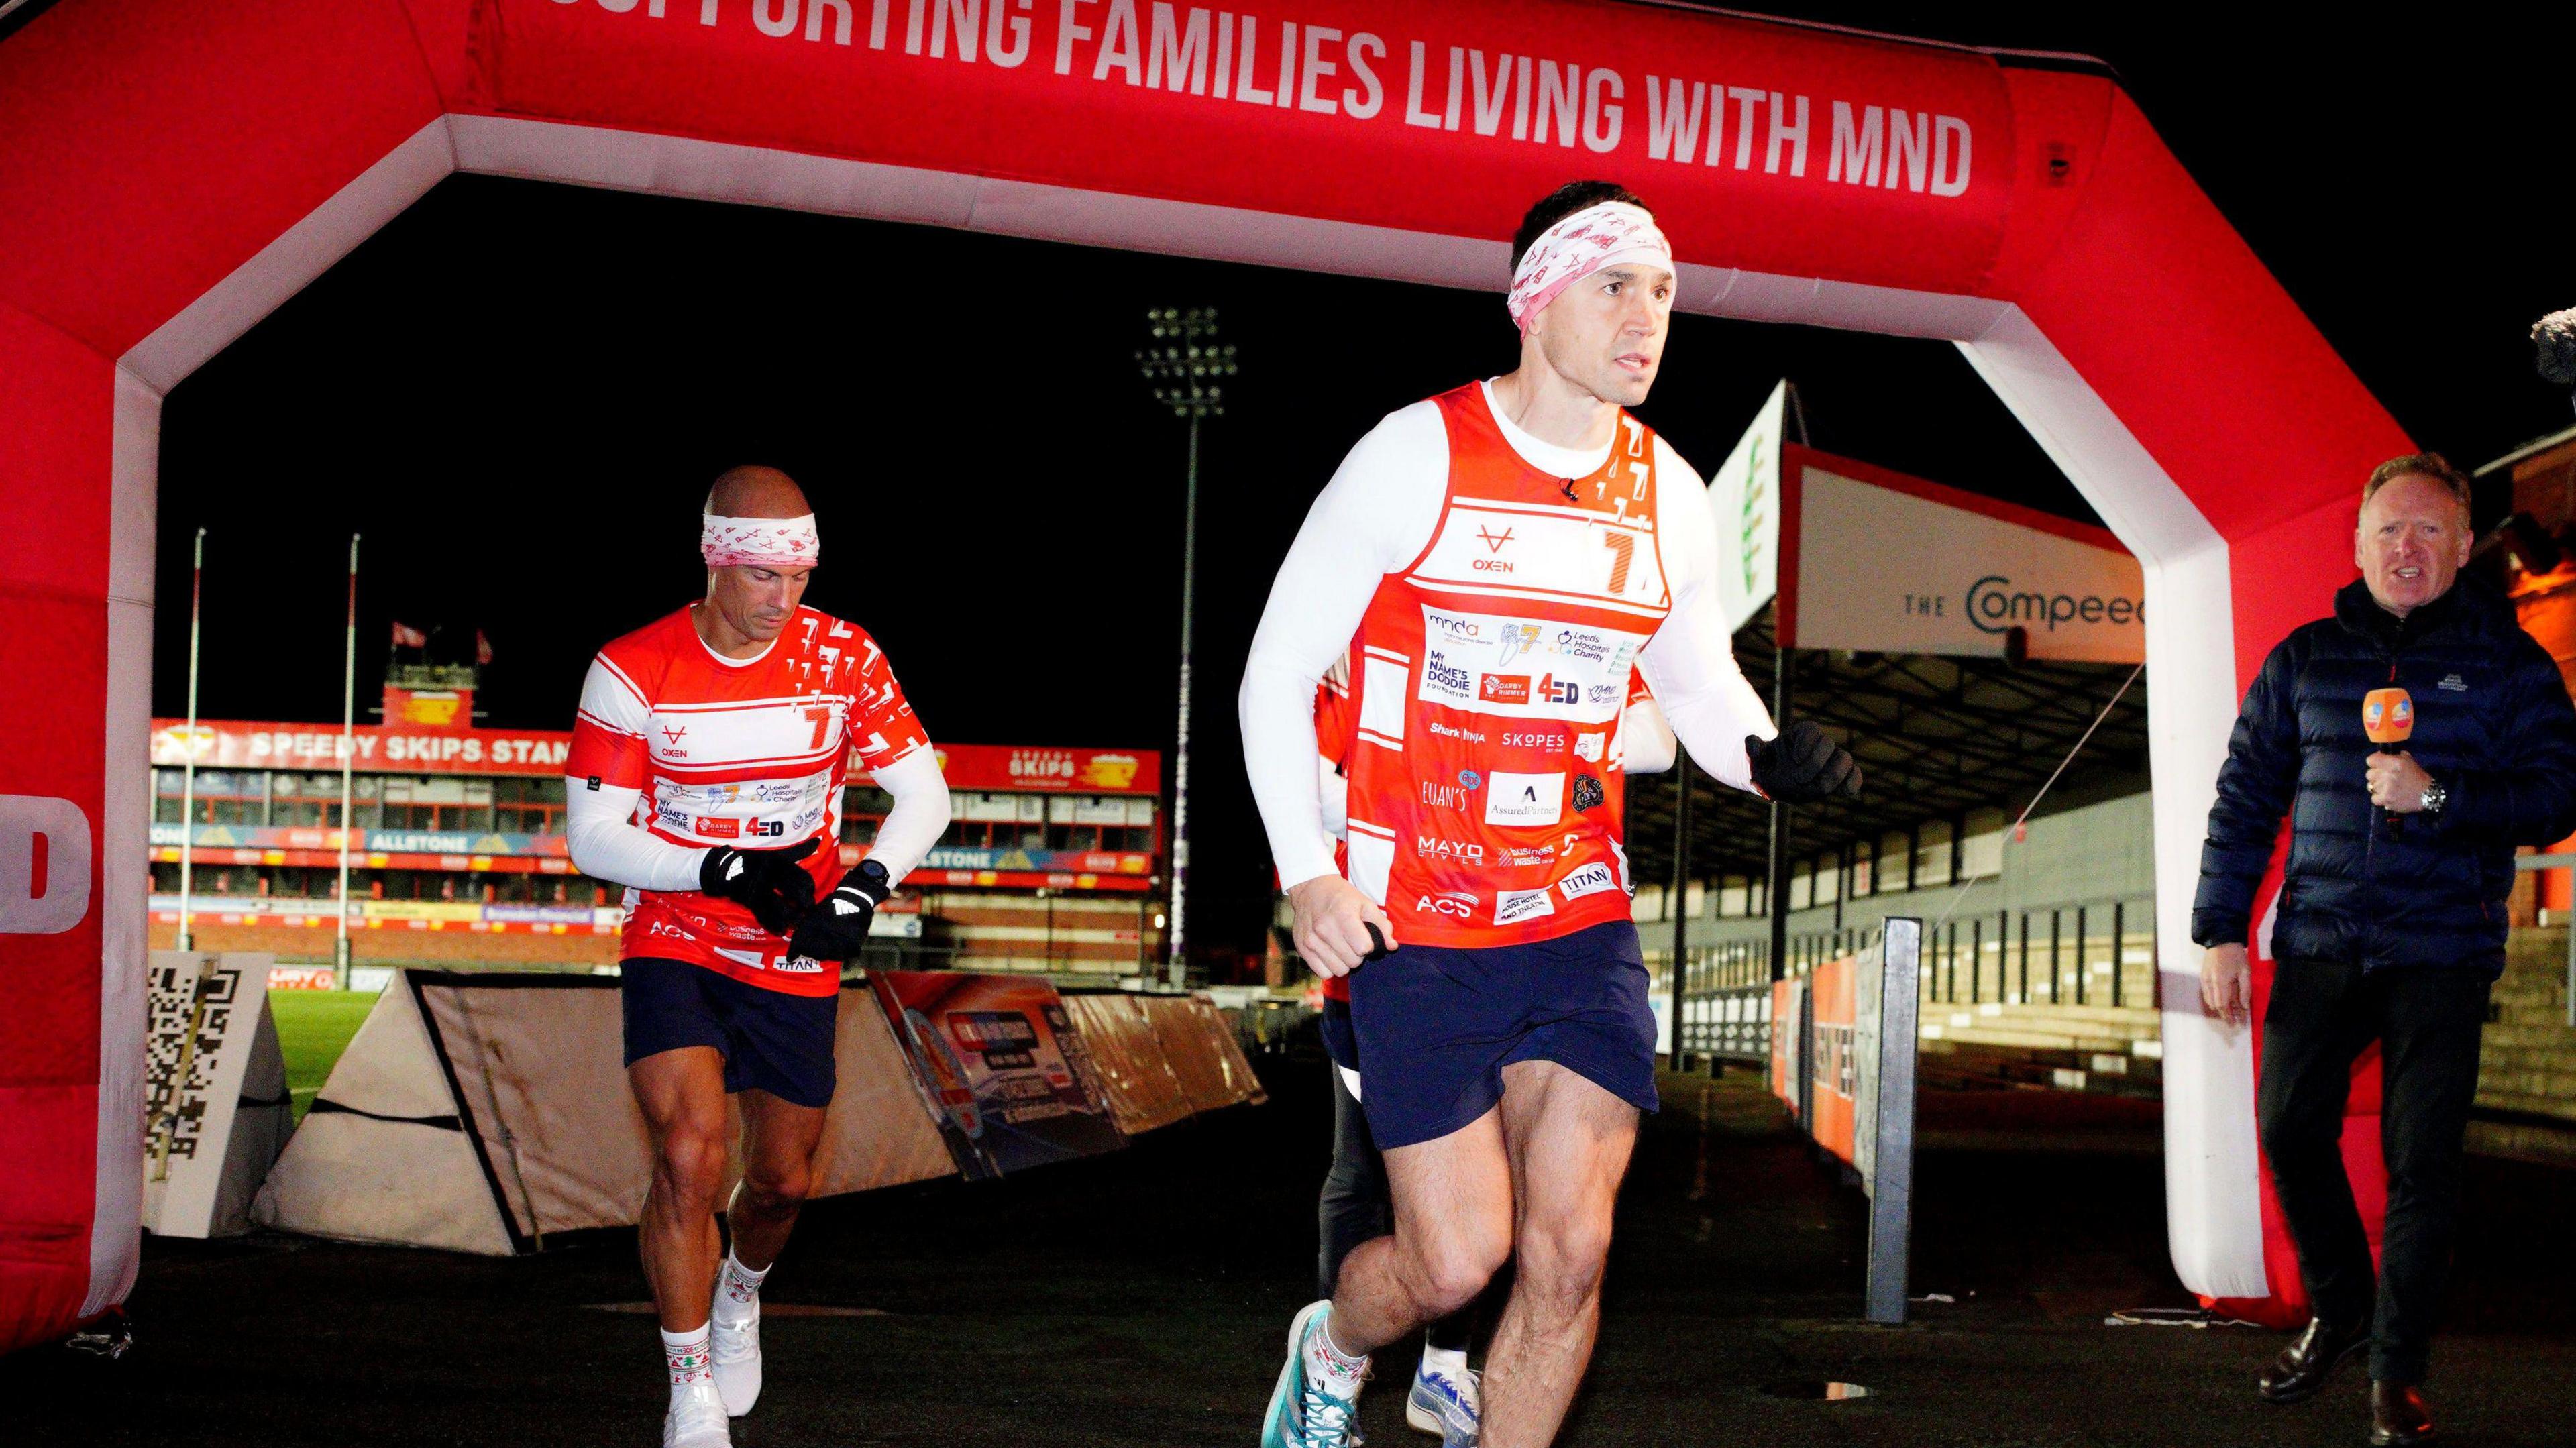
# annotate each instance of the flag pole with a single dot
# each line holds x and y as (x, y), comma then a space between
(348, 759)
(188, 753)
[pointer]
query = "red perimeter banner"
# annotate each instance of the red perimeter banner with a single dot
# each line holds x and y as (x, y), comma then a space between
(374, 748)
(1003, 768)
(1001, 1064)
(399, 749)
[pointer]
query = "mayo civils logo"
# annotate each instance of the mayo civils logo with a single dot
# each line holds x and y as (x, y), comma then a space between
(1995, 607)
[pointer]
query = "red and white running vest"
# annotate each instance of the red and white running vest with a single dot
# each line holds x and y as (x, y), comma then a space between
(745, 752)
(1490, 676)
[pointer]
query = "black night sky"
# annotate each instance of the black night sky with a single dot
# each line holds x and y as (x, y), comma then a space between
(518, 392)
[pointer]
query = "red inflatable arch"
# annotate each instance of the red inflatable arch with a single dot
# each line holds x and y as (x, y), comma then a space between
(170, 172)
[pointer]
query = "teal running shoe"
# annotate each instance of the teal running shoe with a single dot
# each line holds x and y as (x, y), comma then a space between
(1445, 1406)
(1304, 1412)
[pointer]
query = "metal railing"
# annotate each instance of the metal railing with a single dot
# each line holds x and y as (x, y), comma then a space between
(2086, 952)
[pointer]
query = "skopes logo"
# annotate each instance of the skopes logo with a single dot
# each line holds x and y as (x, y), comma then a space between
(1549, 742)
(1432, 847)
(1996, 607)
(1592, 879)
(1456, 904)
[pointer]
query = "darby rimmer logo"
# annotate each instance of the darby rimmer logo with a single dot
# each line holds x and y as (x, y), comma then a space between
(1996, 607)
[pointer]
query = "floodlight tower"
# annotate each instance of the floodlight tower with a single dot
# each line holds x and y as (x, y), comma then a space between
(1186, 370)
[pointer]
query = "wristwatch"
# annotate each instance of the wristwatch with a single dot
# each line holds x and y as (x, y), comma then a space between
(2436, 795)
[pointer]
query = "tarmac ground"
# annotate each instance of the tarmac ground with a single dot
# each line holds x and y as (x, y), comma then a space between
(1142, 1298)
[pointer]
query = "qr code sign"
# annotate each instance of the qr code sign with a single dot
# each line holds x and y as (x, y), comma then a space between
(190, 1014)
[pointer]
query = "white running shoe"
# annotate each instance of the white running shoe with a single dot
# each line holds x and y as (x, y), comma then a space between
(696, 1419)
(735, 1351)
(1445, 1406)
(1303, 1413)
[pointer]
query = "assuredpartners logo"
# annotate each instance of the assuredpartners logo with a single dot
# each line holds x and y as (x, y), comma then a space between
(44, 865)
(1996, 607)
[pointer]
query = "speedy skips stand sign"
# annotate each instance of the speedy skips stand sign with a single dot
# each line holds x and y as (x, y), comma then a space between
(1887, 563)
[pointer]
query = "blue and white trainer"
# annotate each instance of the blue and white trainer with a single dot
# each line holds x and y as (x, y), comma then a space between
(1310, 1409)
(1444, 1405)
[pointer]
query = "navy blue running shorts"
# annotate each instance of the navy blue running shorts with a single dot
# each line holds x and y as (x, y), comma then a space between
(772, 1041)
(1438, 1025)
(1339, 1044)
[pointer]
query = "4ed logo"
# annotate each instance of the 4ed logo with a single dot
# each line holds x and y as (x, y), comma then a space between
(44, 865)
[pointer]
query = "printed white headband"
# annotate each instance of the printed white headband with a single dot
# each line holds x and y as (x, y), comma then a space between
(760, 542)
(1595, 237)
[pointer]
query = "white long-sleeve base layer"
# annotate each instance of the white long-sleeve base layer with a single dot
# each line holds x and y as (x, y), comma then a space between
(607, 843)
(1373, 519)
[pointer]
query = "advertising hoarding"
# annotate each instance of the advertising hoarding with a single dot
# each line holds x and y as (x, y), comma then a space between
(1001, 1065)
(1886, 563)
(1744, 498)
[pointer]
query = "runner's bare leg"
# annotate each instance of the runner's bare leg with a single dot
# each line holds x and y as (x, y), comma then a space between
(1453, 1230)
(1569, 1142)
(778, 1142)
(682, 1095)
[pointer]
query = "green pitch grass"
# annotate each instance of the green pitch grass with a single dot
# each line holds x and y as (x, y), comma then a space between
(313, 1028)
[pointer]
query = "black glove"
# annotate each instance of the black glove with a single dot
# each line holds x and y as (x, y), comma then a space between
(1802, 766)
(769, 883)
(837, 927)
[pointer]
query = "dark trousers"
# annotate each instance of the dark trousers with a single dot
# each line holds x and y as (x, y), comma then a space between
(1355, 1206)
(2428, 1021)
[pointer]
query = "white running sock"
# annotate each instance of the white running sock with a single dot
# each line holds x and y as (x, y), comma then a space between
(1449, 1362)
(1326, 1363)
(738, 1290)
(690, 1358)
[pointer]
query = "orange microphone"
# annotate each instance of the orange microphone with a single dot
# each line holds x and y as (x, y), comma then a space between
(2388, 717)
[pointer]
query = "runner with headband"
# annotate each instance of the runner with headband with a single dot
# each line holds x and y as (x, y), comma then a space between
(1496, 560)
(1445, 1398)
(707, 765)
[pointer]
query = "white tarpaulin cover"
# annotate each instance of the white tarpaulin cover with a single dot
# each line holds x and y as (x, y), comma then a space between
(481, 1112)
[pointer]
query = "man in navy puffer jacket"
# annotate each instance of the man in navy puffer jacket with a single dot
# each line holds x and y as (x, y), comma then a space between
(2391, 921)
